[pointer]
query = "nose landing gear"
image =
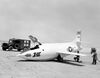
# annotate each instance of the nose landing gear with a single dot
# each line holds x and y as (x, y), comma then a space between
(59, 58)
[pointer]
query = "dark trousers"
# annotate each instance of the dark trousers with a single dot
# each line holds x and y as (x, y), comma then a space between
(94, 61)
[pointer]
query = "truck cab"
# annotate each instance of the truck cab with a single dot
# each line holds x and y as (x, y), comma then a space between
(18, 44)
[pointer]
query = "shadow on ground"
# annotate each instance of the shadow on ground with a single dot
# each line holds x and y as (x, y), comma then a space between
(71, 62)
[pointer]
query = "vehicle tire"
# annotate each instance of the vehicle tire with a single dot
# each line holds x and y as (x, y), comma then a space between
(25, 49)
(4, 49)
(5, 46)
(18, 49)
(16, 46)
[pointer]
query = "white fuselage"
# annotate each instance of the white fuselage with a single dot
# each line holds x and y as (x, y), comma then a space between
(47, 51)
(52, 50)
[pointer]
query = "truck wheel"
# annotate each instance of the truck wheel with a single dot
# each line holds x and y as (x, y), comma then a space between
(3, 48)
(25, 49)
(16, 46)
(18, 49)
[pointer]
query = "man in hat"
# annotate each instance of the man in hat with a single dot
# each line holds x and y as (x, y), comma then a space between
(94, 55)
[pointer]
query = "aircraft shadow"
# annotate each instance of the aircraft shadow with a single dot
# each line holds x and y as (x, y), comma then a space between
(71, 62)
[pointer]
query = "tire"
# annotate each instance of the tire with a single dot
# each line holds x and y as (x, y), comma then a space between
(76, 59)
(25, 49)
(4, 49)
(18, 49)
(5, 46)
(16, 46)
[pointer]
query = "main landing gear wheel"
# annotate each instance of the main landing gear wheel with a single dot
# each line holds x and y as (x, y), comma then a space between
(59, 58)
(77, 59)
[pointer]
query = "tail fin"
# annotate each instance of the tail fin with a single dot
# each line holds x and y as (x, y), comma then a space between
(77, 40)
(78, 37)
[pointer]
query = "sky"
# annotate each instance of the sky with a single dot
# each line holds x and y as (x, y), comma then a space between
(51, 21)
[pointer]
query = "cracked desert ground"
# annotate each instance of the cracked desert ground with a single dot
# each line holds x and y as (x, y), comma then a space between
(15, 67)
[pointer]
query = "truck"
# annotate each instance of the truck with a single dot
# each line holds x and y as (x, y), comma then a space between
(18, 44)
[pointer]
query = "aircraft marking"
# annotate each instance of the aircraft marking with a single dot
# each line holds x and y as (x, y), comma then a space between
(70, 49)
(28, 55)
(36, 54)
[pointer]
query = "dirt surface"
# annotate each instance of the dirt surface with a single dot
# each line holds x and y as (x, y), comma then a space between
(15, 67)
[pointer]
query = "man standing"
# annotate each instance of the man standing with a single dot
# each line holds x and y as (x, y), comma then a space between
(94, 55)
(35, 41)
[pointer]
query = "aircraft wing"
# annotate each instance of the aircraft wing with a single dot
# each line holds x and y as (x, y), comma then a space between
(70, 53)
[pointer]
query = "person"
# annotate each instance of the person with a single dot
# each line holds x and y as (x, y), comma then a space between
(77, 57)
(94, 56)
(36, 47)
(35, 41)
(37, 44)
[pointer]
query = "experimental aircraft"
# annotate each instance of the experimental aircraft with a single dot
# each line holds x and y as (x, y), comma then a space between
(51, 51)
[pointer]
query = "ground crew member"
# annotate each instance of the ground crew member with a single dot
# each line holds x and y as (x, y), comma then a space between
(94, 55)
